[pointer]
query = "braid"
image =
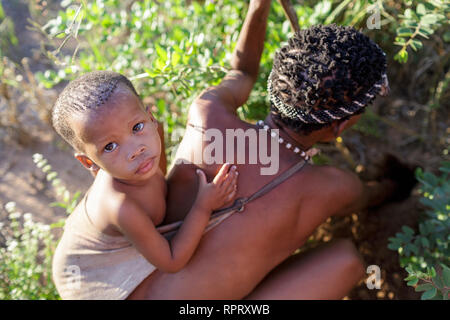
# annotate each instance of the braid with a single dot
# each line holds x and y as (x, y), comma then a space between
(85, 93)
(299, 94)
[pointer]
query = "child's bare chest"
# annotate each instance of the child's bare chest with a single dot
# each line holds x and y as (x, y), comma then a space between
(152, 201)
(150, 198)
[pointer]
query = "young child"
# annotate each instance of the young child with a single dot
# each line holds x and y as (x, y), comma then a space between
(110, 243)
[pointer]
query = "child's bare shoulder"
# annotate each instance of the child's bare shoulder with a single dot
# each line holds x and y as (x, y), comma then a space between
(105, 204)
(110, 203)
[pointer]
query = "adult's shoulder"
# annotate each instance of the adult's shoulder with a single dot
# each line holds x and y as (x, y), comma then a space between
(231, 93)
(331, 188)
(329, 177)
(212, 99)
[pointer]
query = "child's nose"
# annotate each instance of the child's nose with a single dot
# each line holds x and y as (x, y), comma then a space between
(138, 151)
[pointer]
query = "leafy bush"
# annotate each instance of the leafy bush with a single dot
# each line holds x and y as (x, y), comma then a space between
(25, 271)
(8, 37)
(172, 50)
(427, 17)
(426, 255)
(68, 202)
(26, 268)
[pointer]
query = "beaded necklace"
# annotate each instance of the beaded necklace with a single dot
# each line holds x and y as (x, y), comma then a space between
(306, 155)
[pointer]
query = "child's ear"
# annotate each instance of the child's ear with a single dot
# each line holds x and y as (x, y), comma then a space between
(86, 162)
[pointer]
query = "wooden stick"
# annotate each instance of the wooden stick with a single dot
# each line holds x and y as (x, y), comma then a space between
(290, 13)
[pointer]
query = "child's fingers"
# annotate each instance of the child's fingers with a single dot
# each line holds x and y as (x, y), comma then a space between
(231, 188)
(232, 195)
(202, 177)
(221, 175)
(231, 180)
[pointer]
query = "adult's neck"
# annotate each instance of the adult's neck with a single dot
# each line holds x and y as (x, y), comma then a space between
(305, 142)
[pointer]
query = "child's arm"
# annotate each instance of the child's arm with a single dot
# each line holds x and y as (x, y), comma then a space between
(173, 256)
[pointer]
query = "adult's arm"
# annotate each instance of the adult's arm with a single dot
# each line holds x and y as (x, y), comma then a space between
(236, 86)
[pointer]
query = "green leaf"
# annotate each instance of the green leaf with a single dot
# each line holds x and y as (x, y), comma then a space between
(52, 175)
(2, 13)
(407, 230)
(414, 249)
(424, 287)
(446, 164)
(161, 105)
(405, 32)
(412, 282)
(409, 14)
(400, 41)
(161, 52)
(61, 35)
(425, 31)
(401, 56)
(58, 224)
(438, 282)
(66, 196)
(152, 72)
(160, 64)
(429, 294)
(432, 272)
(393, 246)
(410, 277)
(58, 204)
(41, 163)
(429, 19)
(176, 57)
(446, 275)
(421, 10)
(416, 44)
(435, 3)
(425, 242)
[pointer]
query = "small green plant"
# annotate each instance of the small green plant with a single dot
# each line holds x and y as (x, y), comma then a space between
(7, 36)
(27, 247)
(426, 255)
(427, 17)
(68, 202)
(25, 271)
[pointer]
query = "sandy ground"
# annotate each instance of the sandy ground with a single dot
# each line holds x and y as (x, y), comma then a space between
(21, 181)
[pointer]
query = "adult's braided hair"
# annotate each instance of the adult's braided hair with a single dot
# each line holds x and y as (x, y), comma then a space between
(300, 96)
(88, 92)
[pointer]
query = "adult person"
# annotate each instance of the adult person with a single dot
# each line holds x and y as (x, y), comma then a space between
(315, 95)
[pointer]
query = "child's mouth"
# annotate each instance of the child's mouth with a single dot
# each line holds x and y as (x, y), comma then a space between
(146, 165)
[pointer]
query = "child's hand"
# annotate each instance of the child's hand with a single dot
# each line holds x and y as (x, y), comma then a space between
(220, 191)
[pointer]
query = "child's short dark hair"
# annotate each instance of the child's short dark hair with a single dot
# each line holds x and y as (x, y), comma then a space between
(87, 92)
(301, 99)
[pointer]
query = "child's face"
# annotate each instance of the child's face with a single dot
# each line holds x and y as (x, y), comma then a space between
(120, 138)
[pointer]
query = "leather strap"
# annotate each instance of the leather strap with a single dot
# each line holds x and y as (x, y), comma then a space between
(239, 204)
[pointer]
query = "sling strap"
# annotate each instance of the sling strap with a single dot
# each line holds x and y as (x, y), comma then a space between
(239, 204)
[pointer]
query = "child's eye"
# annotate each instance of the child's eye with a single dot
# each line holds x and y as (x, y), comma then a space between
(110, 147)
(138, 127)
